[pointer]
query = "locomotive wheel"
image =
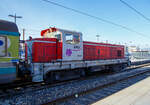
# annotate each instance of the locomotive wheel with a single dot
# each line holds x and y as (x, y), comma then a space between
(82, 73)
(50, 78)
(88, 71)
(117, 68)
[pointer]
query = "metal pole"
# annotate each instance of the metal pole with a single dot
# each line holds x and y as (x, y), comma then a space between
(15, 17)
(23, 39)
(23, 34)
(97, 37)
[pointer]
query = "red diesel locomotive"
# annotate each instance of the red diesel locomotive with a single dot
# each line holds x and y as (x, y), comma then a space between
(62, 50)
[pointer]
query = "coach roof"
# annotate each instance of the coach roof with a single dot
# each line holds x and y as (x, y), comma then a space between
(8, 26)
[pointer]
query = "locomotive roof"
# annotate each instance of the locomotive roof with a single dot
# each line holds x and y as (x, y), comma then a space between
(58, 29)
(8, 26)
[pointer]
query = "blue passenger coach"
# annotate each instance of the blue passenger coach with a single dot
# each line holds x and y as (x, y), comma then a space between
(9, 48)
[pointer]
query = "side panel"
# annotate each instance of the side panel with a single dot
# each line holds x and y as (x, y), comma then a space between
(7, 74)
(113, 52)
(103, 52)
(59, 50)
(121, 51)
(95, 51)
(90, 52)
(44, 51)
(12, 49)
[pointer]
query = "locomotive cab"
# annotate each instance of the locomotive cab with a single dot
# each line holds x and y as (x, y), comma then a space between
(71, 43)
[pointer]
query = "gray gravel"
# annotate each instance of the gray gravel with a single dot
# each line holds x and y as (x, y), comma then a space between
(88, 99)
(42, 96)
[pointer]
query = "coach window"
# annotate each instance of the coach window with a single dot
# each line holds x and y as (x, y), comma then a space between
(3, 46)
(72, 39)
(119, 53)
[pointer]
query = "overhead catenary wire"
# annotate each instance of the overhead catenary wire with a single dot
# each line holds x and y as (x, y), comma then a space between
(95, 17)
(34, 34)
(31, 29)
(135, 10)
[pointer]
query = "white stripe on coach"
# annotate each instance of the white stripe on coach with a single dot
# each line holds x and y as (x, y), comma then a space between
(100, 45)
(44, 41)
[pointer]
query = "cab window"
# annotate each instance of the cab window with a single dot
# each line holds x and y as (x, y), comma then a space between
(72, 38)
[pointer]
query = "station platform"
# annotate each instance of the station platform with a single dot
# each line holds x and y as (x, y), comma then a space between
(137, 94)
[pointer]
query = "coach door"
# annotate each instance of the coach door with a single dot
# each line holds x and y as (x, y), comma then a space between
(72, 46)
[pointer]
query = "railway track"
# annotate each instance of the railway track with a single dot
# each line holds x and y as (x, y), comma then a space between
(102, 90)
(50, 90)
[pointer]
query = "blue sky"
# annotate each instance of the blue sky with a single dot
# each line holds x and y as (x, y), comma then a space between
(38, 15)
